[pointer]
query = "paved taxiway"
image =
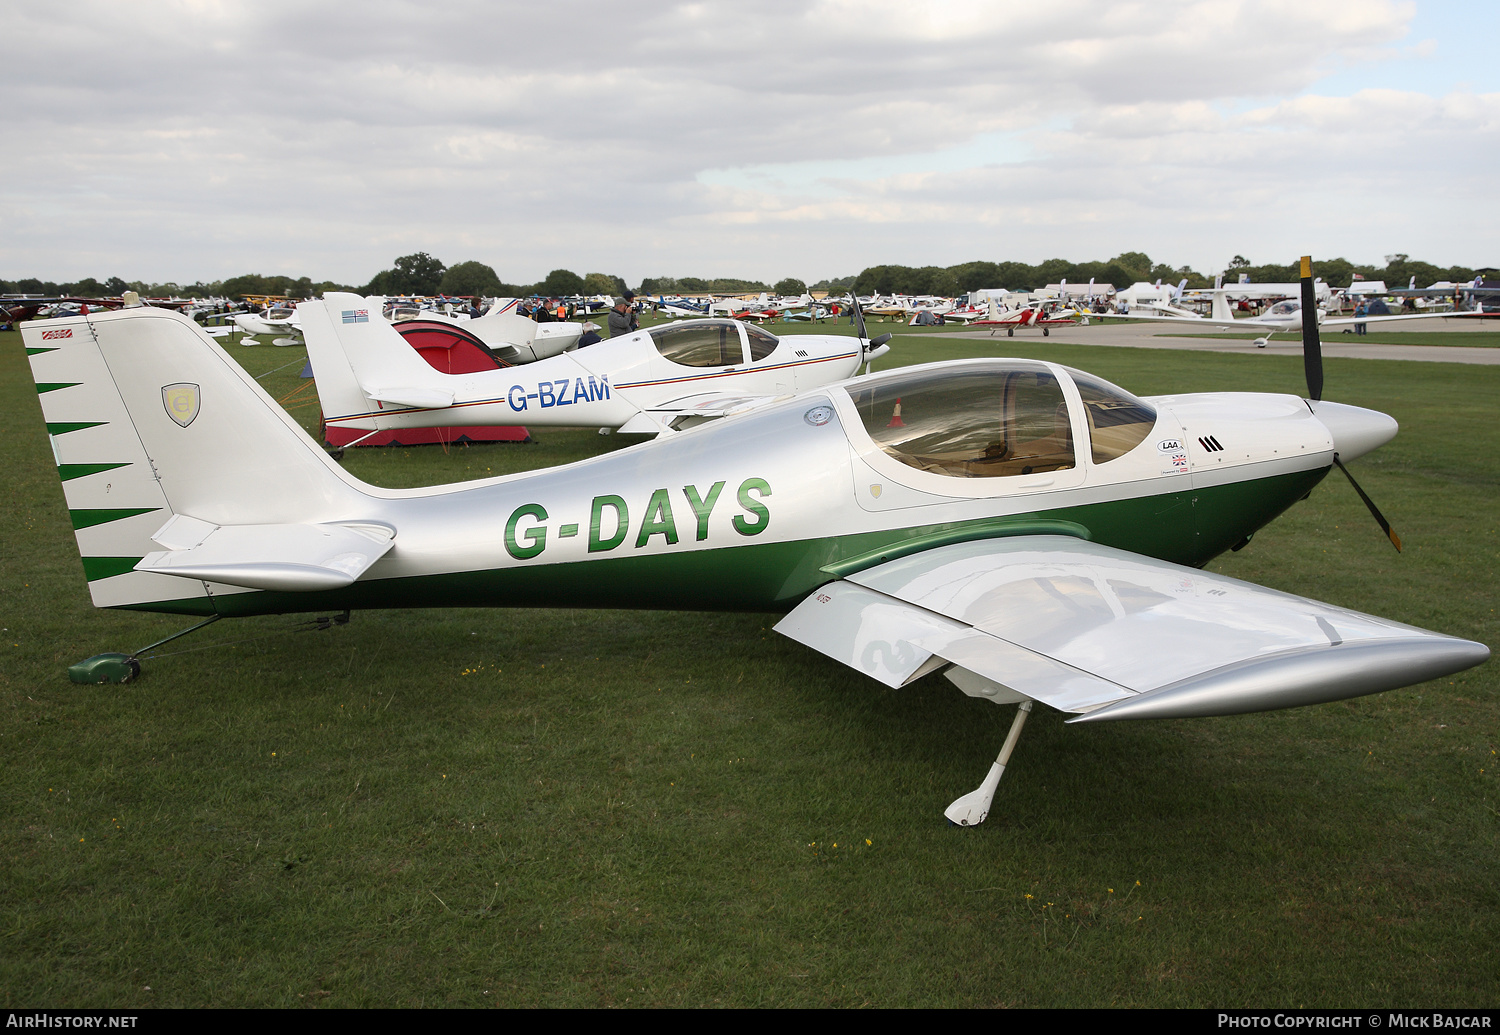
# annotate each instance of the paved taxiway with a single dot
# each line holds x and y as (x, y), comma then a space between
(1155, 336)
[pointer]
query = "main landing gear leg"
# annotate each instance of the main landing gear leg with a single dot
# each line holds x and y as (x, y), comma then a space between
(972, 808)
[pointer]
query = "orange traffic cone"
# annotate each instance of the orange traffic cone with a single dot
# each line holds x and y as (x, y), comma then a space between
(896, 421)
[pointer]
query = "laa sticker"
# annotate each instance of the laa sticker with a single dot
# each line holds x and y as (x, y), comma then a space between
(181, 401)
(1169, 445)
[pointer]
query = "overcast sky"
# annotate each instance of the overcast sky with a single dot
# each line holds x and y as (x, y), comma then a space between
(200, 139)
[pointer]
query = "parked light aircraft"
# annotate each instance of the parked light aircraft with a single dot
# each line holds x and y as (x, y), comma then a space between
(1036, 314)
(655, 380)
(1154, 298)
(679, 308)
(1029, 530)
(279, 321)
(1285, 316)
(520, 339)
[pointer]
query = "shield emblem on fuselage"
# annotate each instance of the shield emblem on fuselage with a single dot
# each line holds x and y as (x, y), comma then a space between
(181, 401)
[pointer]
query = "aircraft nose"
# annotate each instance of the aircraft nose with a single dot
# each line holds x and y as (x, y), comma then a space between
(1356, 430)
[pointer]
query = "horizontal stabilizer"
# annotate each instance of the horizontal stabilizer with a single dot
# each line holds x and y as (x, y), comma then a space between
(290, 558)
(420, 398)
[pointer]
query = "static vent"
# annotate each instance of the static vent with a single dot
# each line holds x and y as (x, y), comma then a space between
(802, 353)
(1210, 444)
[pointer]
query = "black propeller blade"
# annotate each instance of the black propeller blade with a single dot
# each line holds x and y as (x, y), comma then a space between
(865, 344)
(1385, 526)
(859, 316)
(1312, 362)
(1312, 346)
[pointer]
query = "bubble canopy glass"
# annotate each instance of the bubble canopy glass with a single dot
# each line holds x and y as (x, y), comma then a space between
(711, 343)
(995, 420)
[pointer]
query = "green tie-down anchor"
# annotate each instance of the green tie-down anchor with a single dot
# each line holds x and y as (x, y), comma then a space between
(122, 668)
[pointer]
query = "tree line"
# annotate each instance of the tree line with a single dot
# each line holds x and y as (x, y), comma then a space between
(422, 274)
(1130, 267)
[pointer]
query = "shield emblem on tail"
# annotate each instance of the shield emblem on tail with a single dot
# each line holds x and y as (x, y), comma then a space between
(181, 401)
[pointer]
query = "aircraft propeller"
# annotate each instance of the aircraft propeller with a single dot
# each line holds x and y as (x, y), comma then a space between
(865, 344)
(1312, 362)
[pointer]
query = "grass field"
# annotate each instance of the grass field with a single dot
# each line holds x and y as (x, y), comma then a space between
(619, 808)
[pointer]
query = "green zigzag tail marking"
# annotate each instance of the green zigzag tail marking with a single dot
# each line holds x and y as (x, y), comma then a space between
(89, 518)
(43, 387)
(71, 471)
(63, 427)
(96, 568)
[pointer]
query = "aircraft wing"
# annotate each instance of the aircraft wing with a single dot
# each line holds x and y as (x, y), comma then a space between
(293, 558)
(678, 414)
(1108, 634)
(1162, 318)
(1352, 320)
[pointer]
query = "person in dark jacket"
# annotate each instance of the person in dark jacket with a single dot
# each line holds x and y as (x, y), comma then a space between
(621, 320)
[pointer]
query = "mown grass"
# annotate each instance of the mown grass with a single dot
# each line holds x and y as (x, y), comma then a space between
(530, 807)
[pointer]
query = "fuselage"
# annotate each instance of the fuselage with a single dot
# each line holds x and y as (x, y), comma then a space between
(756, 511)
(609, 383)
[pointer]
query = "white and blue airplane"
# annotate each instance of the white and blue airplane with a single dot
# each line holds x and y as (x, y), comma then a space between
(657, 380)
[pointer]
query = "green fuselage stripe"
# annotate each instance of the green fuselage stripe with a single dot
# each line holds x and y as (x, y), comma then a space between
(1186, 527)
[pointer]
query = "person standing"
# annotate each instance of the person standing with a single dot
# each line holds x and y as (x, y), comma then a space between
(621, 320)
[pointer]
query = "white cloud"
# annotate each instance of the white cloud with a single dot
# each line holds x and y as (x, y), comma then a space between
(809, 138)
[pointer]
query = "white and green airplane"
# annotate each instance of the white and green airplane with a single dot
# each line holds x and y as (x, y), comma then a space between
(1031, 531)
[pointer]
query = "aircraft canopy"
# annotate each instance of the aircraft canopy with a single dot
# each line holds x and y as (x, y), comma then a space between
(997, 421)
(712, 343)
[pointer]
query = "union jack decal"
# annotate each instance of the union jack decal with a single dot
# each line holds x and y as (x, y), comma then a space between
(356, 315)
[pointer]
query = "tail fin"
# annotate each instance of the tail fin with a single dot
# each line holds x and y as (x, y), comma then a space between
(153, 428)
(1221, 311)
(360, 361)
